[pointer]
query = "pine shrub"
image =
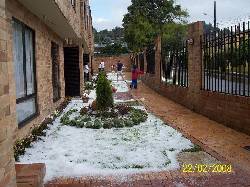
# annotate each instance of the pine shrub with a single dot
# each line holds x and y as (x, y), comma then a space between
(104, 97)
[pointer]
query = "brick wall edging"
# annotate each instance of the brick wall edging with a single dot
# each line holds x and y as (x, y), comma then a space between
(229, 110)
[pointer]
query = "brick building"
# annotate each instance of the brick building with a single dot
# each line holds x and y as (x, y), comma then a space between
(43, 46)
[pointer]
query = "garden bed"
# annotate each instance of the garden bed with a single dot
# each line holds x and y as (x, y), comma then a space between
(69, 151)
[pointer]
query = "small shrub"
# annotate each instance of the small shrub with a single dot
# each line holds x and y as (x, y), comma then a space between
(107, 124)
(97, 124)
(86, 119)
(128, 123)
(80, 124)
(138, 116)
(65, 120)
(104, 97)
(108, 114)
(118, 123)
(89, 125)
(89, 86)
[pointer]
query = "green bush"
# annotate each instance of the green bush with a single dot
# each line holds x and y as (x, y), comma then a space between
(89, 86)
(104, 97)
(128, 123)
(118, 123)
(89, 125)
(138, 116)
(97, 124)
(107, 124)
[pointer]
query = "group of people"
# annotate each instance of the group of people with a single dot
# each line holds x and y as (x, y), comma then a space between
(118, 68)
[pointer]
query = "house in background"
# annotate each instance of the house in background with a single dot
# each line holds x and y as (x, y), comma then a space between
(43, 45)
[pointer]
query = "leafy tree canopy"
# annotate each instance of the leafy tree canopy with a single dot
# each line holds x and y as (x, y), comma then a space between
(148, 18)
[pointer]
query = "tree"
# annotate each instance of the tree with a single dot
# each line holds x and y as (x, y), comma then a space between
(104, 97)
(148, 18)
(139, 33)
(173, 36)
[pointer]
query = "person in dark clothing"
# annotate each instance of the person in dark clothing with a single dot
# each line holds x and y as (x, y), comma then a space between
(119, 67)
(135, 74)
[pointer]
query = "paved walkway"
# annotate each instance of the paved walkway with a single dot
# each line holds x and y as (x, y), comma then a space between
(161, 179)
(221, 142)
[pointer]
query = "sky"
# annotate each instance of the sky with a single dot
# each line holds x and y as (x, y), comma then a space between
(108, 14)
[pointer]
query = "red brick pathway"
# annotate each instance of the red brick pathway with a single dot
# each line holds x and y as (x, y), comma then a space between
(123, 96)
(162, 179)
(218, 140)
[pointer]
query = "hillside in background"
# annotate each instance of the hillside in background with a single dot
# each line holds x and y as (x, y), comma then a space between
(110, 42)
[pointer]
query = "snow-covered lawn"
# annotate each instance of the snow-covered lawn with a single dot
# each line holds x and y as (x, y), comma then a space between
(73, 152)
(120, 85)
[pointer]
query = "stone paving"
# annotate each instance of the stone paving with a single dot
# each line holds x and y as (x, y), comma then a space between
(161, 179)
(221, 142)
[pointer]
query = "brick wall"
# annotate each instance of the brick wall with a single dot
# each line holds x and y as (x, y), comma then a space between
(232, 111)
(73, 16)
(43, 38)
(109, 61)
(7, 169)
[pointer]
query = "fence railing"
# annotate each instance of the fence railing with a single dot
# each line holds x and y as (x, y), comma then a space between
(174, 67)
(226, 57)
(141, 61)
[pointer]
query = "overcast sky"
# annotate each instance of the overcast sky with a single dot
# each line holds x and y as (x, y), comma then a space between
(109, 13)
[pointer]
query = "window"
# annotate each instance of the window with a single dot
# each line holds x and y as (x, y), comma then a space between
(24, 65)
(55, 71)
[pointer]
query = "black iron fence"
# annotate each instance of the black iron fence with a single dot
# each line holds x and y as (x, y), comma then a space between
(137, 61)
(226, 57)
(141, 61)
(174, 68)
(150, 56)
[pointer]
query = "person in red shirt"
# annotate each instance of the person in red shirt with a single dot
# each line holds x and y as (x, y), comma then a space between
(135, 74)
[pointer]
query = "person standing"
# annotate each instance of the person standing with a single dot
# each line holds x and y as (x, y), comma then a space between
(119, 67)
(102, 65)
(86, 72)
(135, 74)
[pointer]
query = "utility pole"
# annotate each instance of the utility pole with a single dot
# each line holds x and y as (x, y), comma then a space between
(215, 16)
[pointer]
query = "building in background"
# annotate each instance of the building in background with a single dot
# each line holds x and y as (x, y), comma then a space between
(43, 48)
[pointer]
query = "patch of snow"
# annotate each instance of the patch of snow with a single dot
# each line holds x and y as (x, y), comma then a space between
(123, 101)
(113, 77)
(73, 152)
(121, 86)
